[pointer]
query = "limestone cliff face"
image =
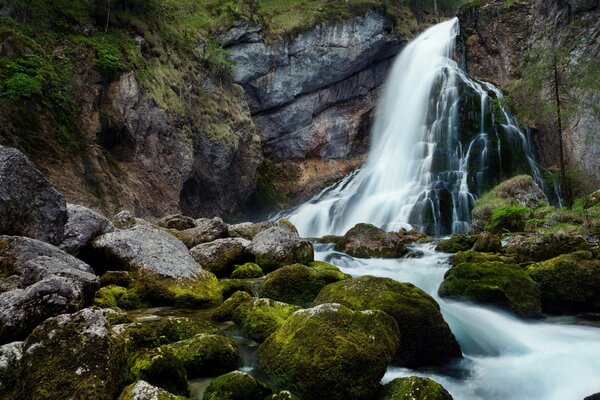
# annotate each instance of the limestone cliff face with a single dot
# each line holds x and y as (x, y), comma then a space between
(499, 36)
(312, 96)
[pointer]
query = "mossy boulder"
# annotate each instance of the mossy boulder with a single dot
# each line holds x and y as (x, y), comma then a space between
(220, 256)
(299, 284)
(206, 355)
(175, 329)
(413, 388)
(206, 230)
(118, 278)
(569, 283)
(366, 240)
(280, 245)
(116, 296)
(330, 352)
(230, 286)
(519, 191)
(496, 283)
(142, 390)
(426, 337)
(509, 219)
(488, 242)
(75, 356)
(247, 271)
(456, 243)
(10, 367)
(258, 318)
(235, 385)
(540, 247)
(283, 395)
(330, 239)
(161, 368)
(477, 257)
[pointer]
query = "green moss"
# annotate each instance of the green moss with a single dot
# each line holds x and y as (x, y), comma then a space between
(160, 367)
(21, 86)
(477, 257)
(206, 355)
(509, 218)
(496, 283)
(230, 286)
(569, 283)
(330, 239)
(247, 271)
(414, 388)
(235, 385)
(118, 278)
(426, 337)
(116, 296)
(298, 284)
(456, 243)
(175, 329)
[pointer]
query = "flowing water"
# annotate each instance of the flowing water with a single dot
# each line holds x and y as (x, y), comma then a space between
(440, 140)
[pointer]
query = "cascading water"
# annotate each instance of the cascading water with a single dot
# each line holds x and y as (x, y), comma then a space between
(439, 140)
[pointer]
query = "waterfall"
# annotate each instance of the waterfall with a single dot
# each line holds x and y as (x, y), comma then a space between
(440, 139)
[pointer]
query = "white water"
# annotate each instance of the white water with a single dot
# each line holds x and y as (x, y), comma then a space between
(504, 358)
(423, 169)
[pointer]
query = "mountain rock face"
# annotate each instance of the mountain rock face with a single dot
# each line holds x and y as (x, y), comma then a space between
(312, 96)
(499, 39)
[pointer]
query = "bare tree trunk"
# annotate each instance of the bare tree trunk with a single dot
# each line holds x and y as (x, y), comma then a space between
(563, 174)
(107, 16)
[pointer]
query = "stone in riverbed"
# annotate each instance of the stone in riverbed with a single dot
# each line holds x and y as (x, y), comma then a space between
(279, 246)
(247, 271)
(219, 256)
(142, 390)
(413, 388)
(488, 242)
(206, 230)
(160, 367)
(29, 205)
(456, 243)
(366, 240)
(539, 247)
(426, 337)
(175, 329)
(247, 230)
(330, 352)
(82, 227)
(235, 385)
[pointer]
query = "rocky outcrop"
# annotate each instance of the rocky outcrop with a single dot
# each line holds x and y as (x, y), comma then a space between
(498, 37)
(312, 96)
(29, 204)
(38, 281)
(82, 227)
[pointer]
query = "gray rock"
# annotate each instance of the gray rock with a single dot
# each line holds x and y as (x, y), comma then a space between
(220, 255)
(177, 221)
(144, 247)
(248, 230)
(47, 282)
(142, 390)
(29, 204)
(75, 356)
(82, 227)
(279, 246)
(240, 31)
(366, 240)
(124, 220)
(10, 365)
(206, 230)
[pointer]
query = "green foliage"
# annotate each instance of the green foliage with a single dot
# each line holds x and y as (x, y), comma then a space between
(216, 60)
(509, 218)
(22, 86)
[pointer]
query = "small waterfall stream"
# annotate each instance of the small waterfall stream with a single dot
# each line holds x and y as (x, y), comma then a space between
(439, 141)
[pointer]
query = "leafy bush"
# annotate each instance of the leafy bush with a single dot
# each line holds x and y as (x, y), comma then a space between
(509, 218)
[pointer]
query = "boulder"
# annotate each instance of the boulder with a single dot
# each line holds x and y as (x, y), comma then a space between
(113, 296)
(413, 388)
(488, 242)
(496, 283)
(124, 220)
(29, 205)
(175, 329)
(247, 230)
(538, 247)
(10, 367)
(118, 278)
(206, 354)
(43, 281)
(456, 243)
(426, 337)
(283, 395)
(142, 390)
(366, 240)
(247, 271)
(258, 318)
(161, 368)
(330, 352)
(82, 227)
(235, 385)
(75, 356)
(279, 246)
(177, 221)
(221, 255)
(230, 286)
(206, 230)
(569, 283)
(298, 284)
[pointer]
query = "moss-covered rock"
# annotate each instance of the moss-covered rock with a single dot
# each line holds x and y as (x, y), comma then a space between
(279, 246)
(220, 256)
(426, 337)
(477, 257)
(246, 271)
(206, 230)
(116, 296)
(330, 352)
(10, 368)
(235, 385)
(330, 239)
(413, 388)
(283, 395)
(75, 356)
(540, 247)
(206, 355)
(299, 284)
(175, 329)
(488, 242)
(118, 278)
(496, 283)
(230, 286)
(509, 219)
(258, 318)
(569, 283)
(160, 367)
(456, 243)
(142, 390)
(366, 240)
